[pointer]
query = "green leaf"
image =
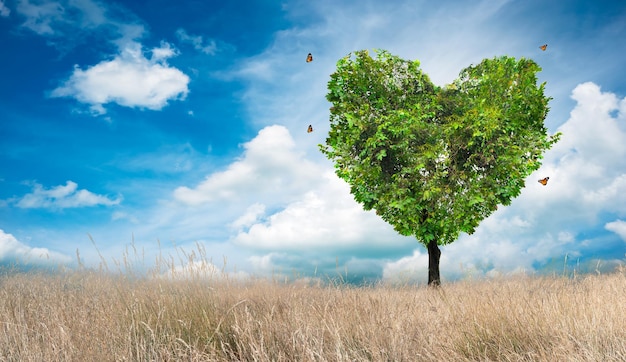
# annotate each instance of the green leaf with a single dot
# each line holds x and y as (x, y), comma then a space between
(435, 161)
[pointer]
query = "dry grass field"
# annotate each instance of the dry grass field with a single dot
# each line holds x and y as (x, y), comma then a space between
(100, 316)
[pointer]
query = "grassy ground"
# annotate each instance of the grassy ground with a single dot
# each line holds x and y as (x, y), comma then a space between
(90, 316)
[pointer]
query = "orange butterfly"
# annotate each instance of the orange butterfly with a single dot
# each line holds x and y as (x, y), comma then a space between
(544, 47)
(310, 129)
(309, 58)
(544, 181)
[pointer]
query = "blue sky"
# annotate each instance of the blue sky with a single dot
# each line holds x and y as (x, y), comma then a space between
(182, 125)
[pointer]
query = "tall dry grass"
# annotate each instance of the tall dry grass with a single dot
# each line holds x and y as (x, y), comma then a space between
(97, 316)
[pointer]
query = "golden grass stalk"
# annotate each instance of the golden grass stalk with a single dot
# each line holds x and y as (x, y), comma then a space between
(99, 316)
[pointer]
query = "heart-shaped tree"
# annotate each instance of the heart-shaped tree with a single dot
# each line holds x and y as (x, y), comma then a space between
(434, 162)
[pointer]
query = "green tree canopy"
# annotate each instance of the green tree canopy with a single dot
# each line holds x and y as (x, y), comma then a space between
(432, 161)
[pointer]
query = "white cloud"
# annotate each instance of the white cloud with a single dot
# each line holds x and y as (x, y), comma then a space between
(324, 219)
(63, 196)
(197, 42)
(250, 217)
(270, 169)
(130, 80)
(39, 17)
(12, 250)
(92, 13)
(66, 22)
(120, 215)
(158, 54)
(592, 133)
(618, 227)
(4, 10)
(587, 168)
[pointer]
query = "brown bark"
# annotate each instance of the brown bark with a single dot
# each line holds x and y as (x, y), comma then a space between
(433, 264)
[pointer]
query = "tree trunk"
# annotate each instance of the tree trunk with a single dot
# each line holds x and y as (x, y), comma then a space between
(433, 264)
